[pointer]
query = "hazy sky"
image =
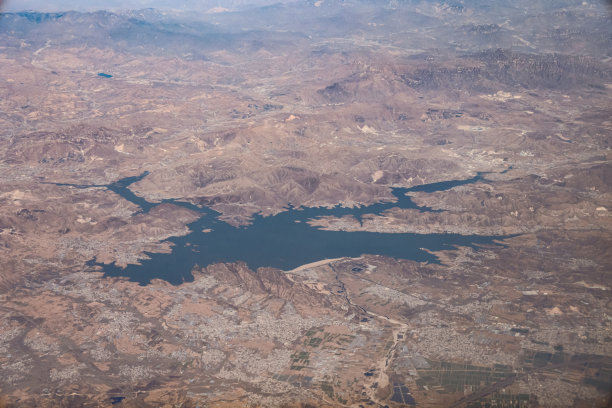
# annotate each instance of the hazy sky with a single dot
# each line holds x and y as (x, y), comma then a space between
(197, 5)
(82, 5)
(62, 5)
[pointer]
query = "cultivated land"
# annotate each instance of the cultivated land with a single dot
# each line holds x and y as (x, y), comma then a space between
(309, 104)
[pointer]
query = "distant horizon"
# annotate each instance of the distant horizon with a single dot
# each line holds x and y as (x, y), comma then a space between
(203, 6)
(95, 5)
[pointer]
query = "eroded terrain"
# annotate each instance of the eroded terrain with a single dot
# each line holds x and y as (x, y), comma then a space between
(309, 104)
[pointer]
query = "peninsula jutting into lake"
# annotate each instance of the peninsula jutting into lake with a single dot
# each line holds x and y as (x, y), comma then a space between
(284, 240)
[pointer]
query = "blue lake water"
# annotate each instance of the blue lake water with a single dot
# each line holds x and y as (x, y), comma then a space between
(284, 240)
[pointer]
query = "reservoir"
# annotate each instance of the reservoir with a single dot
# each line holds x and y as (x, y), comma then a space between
(284, 240)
